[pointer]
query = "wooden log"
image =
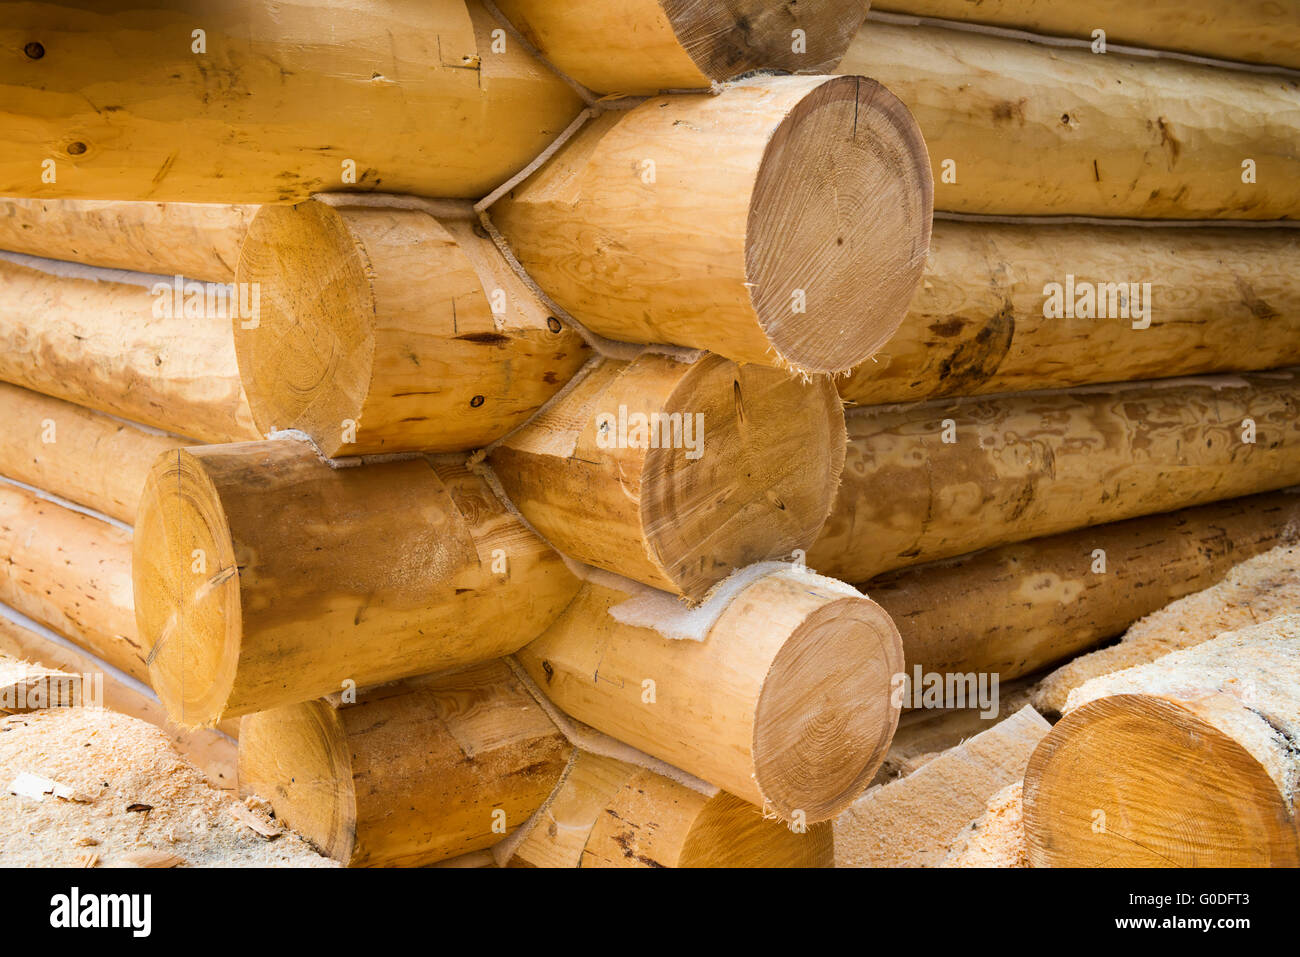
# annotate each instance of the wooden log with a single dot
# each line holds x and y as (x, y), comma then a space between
(1219, 300)
(263, 577)
(783, 222)
(1037, 130)
(1015, 609)
(210, 750)
(777, 690)
(644, 46)
(676, 474)
(610, 814)
(196, 240)
(944, 478)
(128, 348)
(1255, 31)
(72, 573)
(387, 330)
(83, 456)
(911, 822)
(1189, 761)
(412, 773)
(284, 100)
(1262, 587)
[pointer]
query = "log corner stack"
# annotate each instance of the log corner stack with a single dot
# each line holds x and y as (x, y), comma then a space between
(451, 428)
(467, 435)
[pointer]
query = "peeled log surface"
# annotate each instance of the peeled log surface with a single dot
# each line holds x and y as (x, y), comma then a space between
(782, 222)
(611, 814)
(410, 94)
(1039, 463)
(263, 577)
(195, 240)
(783, 699)
(1257, 31)
(743, 468)
(78, 454)
(1038, 130)
(377, 332)
(956, 616)
(98, 343)
(1190, 760)
(644, 46)
(1259, 588)
(411, 773)
(71, 573)
(1221, 300)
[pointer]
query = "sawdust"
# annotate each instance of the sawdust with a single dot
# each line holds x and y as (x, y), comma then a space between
(1261, 588)
(997, 837)
(134, 800)
(911, 822)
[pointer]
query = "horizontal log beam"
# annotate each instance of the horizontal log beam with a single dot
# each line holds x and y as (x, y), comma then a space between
(264, 577)
(128, 346)
(991, 314)
(1032, 130)
(1015, 609)
(939, 479)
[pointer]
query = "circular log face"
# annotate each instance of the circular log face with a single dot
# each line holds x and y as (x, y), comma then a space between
(186, 589)
(826, 714)
(387, 330)
(1141, 781)
(839, 225)
(739, 36)
(729, 832)
(770, 453)
(784, 222)
(652, 821)
(297, 758)
(307, 364)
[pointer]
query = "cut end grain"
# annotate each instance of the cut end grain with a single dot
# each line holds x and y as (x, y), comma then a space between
(770, 455)
(308, 362)
(1189, 760)
(839, 225)
(297, 757)
(1138, 780)
(826, 713)
(729, 832)
(186, 590)
(727, 39)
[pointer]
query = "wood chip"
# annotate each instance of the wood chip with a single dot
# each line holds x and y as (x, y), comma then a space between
(152, 859)
(86, 842)
(264, 828)
(87, 860)
(139, 807)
